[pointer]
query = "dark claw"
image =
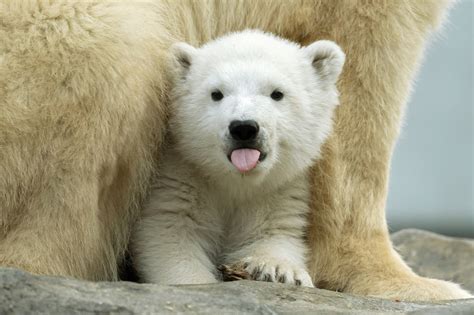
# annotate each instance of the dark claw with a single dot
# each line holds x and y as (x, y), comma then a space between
(268, 278)
(282, 279)
(256, 273)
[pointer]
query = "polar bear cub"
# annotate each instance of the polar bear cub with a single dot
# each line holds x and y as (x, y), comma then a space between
(250, 112)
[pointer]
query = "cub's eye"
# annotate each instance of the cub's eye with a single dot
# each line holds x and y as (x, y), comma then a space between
(276, 95)
(217, 96)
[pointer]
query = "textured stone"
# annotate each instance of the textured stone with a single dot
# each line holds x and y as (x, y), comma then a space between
(437, 256)
(22, 293)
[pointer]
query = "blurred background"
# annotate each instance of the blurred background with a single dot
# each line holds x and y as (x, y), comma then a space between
(431, 184)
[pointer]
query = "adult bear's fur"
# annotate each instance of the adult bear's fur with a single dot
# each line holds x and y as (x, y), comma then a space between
(83, 94)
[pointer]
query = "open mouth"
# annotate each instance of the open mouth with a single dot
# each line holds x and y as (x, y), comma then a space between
(246, 159)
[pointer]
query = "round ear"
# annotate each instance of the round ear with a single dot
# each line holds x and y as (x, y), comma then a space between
(327, 59)
(183, 53)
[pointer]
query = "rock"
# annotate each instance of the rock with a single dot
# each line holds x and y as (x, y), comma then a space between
(22, 293)
(436, 256)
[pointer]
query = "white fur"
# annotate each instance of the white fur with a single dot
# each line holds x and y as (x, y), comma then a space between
(202, 212)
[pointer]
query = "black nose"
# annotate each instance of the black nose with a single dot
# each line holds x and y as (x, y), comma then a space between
(243, 129)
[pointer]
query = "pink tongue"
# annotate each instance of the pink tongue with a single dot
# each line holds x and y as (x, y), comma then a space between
(245, 159)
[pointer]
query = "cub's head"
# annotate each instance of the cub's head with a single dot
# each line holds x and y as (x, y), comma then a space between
(252, 105)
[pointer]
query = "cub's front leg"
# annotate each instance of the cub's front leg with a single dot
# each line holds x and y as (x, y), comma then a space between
(272, 247)
(274, 260)
(171, 242)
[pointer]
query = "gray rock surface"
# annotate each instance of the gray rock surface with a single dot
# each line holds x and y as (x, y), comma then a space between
(436, 256)
(22, 293)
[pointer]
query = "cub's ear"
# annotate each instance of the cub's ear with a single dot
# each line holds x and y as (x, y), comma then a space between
(183, 54)
(327, 59)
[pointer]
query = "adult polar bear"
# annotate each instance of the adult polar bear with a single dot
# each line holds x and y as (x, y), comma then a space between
(83, 94)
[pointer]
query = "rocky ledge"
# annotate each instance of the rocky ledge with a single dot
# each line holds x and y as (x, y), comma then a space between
(429, 254)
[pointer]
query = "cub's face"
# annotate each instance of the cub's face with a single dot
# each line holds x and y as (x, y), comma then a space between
(251, 105)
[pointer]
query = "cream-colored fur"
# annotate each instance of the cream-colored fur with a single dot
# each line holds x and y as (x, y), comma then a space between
(83, 94)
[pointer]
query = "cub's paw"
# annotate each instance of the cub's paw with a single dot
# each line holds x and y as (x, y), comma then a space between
(274, 270)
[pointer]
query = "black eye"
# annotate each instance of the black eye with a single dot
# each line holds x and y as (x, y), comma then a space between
(276, 95)
(217, 96)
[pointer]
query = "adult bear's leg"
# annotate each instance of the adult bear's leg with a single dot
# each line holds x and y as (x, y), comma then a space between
(351, 250)
(81, 114)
